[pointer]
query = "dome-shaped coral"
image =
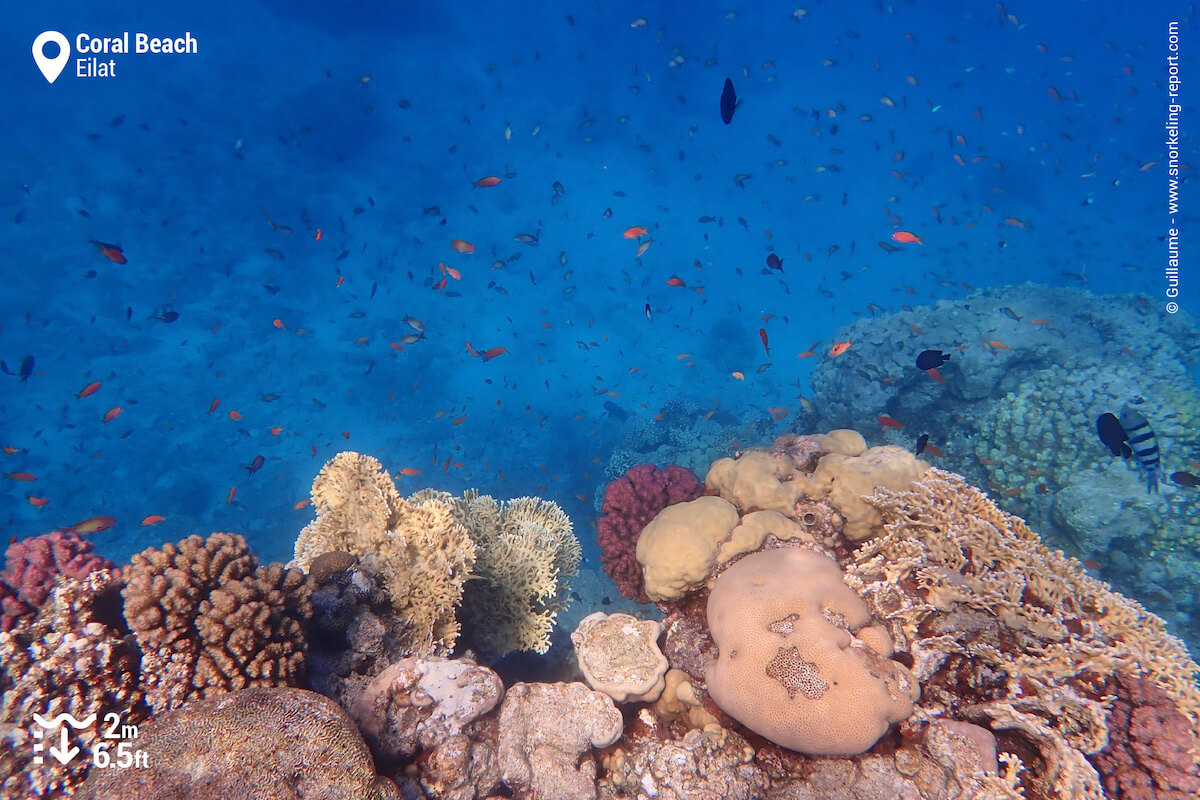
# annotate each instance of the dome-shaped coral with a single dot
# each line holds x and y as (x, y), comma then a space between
(790, 667)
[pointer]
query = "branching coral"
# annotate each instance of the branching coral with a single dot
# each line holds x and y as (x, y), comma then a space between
(420, 552)
(527, 552)
(209, 620)
(1003, 630)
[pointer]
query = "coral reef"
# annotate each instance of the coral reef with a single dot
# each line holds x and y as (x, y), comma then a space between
(248, 745)
(416, 547)
(209, 620)
(546, 732)
(431, 708)
(619, 656)
(630, 502)
(1031, 369)
(527, 552)
(32, 565)
(975, 599)
(69, 658)
(801, 661)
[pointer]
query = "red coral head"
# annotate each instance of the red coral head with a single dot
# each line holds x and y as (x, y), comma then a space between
(33, 564)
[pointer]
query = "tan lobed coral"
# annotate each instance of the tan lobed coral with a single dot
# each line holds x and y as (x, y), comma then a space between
(677, 547)
(248, 745)
(619, 656)
(790, 666)
(420, 552)
(209, 620)
(68, 659)
(527, 552)
(841, 471)
(981, 604)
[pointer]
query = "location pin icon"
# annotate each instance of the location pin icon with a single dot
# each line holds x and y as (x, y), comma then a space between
(51, 67)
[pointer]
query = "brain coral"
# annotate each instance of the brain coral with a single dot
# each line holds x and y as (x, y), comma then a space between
(527, 551)
(209, 620)
(282, 744)
(790, 667)
(422, 554)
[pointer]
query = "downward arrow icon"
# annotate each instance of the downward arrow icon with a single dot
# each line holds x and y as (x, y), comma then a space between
(63, 753)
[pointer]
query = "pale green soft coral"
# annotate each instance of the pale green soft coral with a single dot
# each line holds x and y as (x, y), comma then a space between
(527, 551)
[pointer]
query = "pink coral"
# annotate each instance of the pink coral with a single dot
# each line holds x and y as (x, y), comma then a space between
(630, 502)
(1149, 740)
(32, 566)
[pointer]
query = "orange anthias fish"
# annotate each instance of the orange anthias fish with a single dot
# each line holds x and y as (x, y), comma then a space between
(410, 471)
(998, 344)
(113, 413)
(778, 413)
(636, 232)
(462, 247)
(153, 519)
(738, 375)
(888, 422)
(37, 502)
(810, 352)
(111, 251)
(906, 238)
(762, 334)
(484, 183)
(489, 354)
(91, 525)
(937, 376)
(840, 348)
(676, 281)
(24, 477)
(88, 390)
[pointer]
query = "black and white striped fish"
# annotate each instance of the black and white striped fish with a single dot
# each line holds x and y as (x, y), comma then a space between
(1143, 443)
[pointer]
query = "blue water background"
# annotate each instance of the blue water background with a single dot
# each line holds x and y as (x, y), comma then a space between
(152, 157)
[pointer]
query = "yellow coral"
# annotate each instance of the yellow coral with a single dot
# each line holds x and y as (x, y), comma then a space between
(421, 552)
(527, 552)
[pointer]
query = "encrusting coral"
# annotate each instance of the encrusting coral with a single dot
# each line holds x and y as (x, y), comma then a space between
(527, 551)
(209, 620)
(619, 656)
(420, 552)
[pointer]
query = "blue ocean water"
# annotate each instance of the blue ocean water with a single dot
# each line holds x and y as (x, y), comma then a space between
(214, 171)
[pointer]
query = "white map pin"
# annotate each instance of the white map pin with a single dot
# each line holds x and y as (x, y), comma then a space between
(51, 67)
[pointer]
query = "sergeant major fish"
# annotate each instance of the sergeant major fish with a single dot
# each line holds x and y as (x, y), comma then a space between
(1142, 442)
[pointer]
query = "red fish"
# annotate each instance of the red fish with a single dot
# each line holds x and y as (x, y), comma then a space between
(111, 251)
(484, 183)
(37, 502)
(489, 354)
(460, 246)
(888, 422)
(906, 237)
(153, 519)
(636, 232)
(472, 350)
(762, 334)
(840, 348)
(88, 390)
(777, 413)
(24, 477)
(113, 413)
(676, 281)
(934, 451)
(90, 525)
(937, 376)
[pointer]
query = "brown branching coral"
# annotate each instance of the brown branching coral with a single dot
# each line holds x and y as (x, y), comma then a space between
(209, 620)
(1003, 631)
(68, 659)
